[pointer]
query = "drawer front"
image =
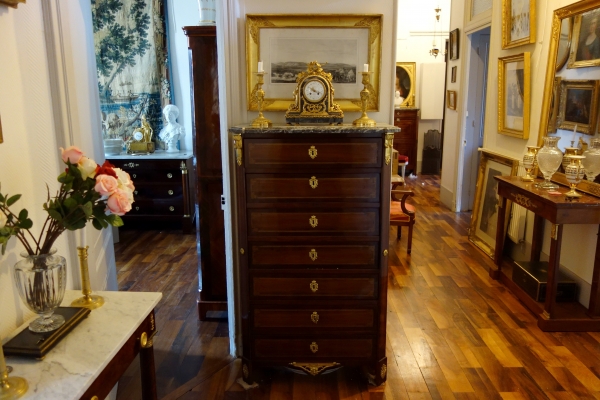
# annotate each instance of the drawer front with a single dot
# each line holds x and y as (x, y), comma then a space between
(351, 153)
(138, 164)
(157, 207)
(314, 318)
(316, 255)
(357, 222)
(161, 191)
(291, 349)
(156, 176)
(359, 287)
(312, 187)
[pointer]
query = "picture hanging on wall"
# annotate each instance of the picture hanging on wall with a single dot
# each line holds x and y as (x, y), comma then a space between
(586, 40)
(451, 99)
(131, 56)
(518, 22)
(453, 77)
(454, 44)
(578, 108)
(514, 95)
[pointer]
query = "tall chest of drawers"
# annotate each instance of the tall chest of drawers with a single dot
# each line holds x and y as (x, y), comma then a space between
(163, 190)
(313, 225)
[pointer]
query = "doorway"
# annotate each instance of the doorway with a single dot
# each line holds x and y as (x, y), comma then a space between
(474, 115)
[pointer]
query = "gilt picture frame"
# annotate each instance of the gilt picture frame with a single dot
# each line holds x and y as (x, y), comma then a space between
(514, 87)
(585, 40)
(578, 108)
(518, 23)
(341, 43)
(484, 218)
(453, 45)
(451, 99)
(13, 4)
(453, 75)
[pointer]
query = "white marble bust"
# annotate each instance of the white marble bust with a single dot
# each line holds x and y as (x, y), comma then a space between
(172, 131)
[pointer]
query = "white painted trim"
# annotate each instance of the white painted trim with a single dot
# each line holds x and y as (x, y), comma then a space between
(429, 33)
(228, 14)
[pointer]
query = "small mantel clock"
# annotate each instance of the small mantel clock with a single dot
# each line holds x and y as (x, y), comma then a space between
(313, 98)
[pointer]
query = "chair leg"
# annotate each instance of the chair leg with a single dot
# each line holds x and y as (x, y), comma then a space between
(399, 233)
(403, 166)
(409, 244)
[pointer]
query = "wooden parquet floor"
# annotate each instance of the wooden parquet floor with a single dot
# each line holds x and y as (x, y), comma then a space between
(453, 333)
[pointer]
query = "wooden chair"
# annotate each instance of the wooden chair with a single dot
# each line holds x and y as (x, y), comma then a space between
(402, 214)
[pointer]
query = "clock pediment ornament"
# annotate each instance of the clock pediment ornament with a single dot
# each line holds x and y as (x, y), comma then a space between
(313, 98)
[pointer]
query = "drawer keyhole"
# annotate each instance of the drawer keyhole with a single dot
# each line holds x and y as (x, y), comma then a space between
(314, 347)
(313, 182)
(312, 254)
(313, 221)
(169, 175)
(314, 317)
(314, 286)
(170, 192)
(171, 208)
(134, 175)
(312, 152)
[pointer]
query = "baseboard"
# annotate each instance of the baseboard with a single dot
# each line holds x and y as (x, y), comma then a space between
(522, 252)
(447, 198)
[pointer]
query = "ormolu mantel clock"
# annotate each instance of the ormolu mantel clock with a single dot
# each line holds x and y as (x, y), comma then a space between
(313, 98)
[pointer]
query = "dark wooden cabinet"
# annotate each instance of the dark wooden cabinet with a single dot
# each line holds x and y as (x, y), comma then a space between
(163, 190)
(407, 119)
(202, 43)
(313, 226)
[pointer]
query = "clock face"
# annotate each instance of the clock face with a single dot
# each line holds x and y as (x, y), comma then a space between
(314, 90)
(138, 135)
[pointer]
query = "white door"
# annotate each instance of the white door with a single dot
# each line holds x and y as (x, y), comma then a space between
(475, 114)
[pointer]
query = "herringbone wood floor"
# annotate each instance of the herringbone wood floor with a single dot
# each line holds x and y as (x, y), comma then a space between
(453, 333)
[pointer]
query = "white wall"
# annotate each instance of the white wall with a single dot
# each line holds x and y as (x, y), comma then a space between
(44, 42)
(181, 13)
(416, 23)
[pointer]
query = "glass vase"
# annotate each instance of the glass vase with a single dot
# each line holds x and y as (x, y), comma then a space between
(591, 162)
(41, 281)
(549, 158)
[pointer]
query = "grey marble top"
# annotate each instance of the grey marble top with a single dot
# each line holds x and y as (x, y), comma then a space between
(157, 155)
(301, 129)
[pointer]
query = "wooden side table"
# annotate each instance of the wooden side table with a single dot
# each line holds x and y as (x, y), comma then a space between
(90, 360)
(552, 316)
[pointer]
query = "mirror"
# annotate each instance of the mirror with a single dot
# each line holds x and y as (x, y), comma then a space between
(564, 43)
(404, 93)
(575, 41)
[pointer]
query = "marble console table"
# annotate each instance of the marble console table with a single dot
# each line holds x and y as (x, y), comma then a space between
(89, 361)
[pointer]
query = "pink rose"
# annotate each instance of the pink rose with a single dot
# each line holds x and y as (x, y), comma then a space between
(71, 153)
(119, 202)
(106, 185)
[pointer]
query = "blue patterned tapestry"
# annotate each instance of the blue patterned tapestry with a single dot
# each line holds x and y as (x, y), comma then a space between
(131, 56)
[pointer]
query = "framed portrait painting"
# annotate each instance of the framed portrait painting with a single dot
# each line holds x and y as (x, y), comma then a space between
(484, 218)
(585, 40)
(578, 108)
(518, 23)
(514, 95)
(286, 43)
(453, 76)
(454, 44)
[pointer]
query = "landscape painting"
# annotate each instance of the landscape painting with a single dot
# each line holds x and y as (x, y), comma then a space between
(290, 56)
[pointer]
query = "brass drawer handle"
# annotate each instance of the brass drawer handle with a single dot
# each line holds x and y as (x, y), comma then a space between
(169, 175)
(314, 317)
(313, 221)
(313, 182)
(314, 286)
(170, 192)
(314, 347)
(171, 208)
(312, 152)
(131, 165)
(312, 254)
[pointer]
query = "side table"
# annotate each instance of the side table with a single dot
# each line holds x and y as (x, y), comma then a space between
(552, 316)
(89, 361)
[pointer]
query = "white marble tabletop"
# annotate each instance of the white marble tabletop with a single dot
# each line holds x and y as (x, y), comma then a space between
(157, 155)
(77, 360)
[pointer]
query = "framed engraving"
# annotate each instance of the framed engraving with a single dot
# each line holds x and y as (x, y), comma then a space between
(451, 99)
(285, 43)
(518, 22)
(514, 95)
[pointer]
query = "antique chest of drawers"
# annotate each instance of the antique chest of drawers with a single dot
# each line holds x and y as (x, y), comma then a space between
(313, 225)
(163, 195)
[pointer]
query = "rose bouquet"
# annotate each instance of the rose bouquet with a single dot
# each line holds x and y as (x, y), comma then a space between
(88, 192)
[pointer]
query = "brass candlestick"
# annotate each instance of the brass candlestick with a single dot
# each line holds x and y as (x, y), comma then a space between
(364, 120)
(260, 121)
(89, 300)
(10, 387)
